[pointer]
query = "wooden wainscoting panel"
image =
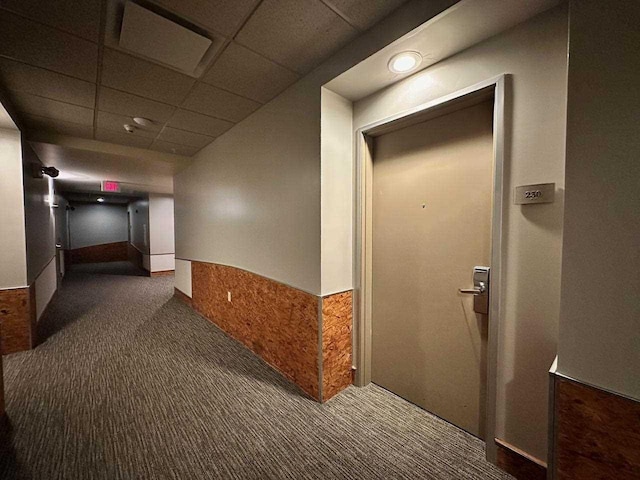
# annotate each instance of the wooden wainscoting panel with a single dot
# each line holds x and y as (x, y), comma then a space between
(597, 433)
(107, 252)
(518, 463)
(1, 384)
(277, 322)
(337, 320)
(17, 319)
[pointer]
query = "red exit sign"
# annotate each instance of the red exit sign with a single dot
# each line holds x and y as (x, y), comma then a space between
(108, 186)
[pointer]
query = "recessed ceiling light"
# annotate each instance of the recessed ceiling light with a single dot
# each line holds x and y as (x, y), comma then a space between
(129, 128)
(145, 122)
(100, 199)
(405, 62)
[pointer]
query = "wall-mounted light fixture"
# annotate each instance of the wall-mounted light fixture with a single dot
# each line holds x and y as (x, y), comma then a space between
(405, 62)
(38, 171)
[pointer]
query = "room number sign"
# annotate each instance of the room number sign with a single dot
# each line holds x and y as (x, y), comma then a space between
(539, 193)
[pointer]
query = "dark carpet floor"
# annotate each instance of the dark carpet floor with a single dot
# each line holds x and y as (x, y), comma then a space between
(130, 383)
(109, 268)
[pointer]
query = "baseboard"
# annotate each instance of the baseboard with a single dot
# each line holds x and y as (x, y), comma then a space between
(518, 463)
(163, 273)
(48, 306)
(181, 296)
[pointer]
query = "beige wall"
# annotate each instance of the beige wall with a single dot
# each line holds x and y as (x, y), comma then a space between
(600, 318)
(13, 262)
(161, 233)
(39, 217)
(251, 199)
(534, 54)
(336, 153)
(183, 276)
(97, 224)
(46, 286)
(139, 218)
(161, 225)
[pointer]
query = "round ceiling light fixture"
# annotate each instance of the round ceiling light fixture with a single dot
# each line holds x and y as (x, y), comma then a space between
(405, 62)
(145, 122)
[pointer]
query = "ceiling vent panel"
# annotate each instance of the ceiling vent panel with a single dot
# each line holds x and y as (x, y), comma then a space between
(150, 35)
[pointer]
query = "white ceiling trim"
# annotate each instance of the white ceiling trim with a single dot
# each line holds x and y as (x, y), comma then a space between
(463, 25)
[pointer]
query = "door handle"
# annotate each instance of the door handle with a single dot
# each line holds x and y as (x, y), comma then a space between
(479, 290)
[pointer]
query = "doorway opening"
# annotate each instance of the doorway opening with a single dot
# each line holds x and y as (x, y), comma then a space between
(429, 196)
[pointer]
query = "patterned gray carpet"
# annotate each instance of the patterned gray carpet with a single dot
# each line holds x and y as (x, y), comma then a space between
(129, 383)
(109, 268)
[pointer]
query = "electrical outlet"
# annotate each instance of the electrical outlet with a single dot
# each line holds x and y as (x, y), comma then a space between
(229, 296)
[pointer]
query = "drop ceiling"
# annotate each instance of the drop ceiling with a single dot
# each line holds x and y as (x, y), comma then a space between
(63, 68)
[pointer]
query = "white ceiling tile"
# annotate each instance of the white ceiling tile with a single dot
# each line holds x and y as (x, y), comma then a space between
(174, 148)
(116, 122)
(18, 76)
(218, 103)
(36, 44)
(297, 34)
(38, 123)
(182, 137)
(246, 73)
(80, 17)
(196, 122)
(124, 72)
(131, 140)
(45, 107)
(130, 105)
(223, 16)
(364, 13)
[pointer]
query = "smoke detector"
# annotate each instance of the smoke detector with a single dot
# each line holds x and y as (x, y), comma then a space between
(144, 122)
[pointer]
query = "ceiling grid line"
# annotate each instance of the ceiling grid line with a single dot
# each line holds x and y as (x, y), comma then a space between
(46, 25)
(263, 47)
(103, 21)
(341, 15)
(225, 45)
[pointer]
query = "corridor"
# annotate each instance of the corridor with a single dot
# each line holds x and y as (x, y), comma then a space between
(128, 382)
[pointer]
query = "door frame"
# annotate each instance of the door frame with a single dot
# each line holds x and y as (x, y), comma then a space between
(362, 271)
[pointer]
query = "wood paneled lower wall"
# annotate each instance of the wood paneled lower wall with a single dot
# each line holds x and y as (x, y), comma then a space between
(518, 463)
(597, 433)
(337, 320)
(1, 385)
(107, 252)
(17, 319)
(281, 324)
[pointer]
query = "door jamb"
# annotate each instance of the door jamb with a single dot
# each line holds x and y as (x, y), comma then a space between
(362, 234)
